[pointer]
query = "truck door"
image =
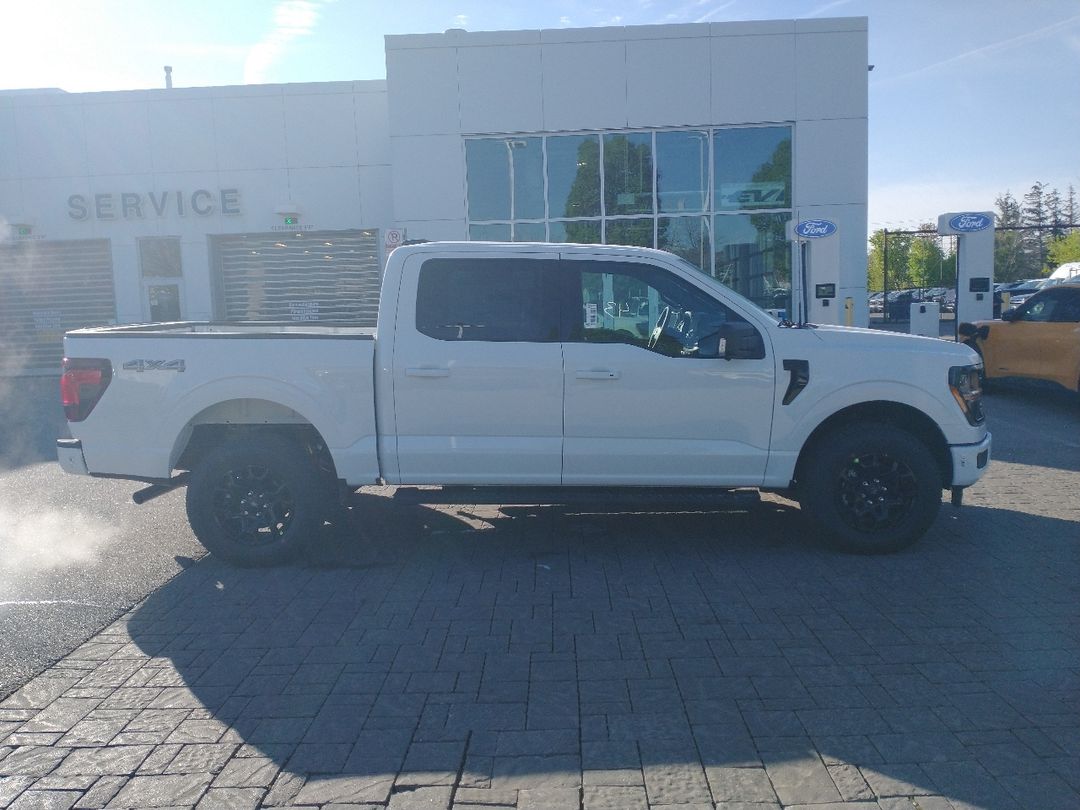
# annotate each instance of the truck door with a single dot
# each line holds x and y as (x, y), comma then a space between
(477, 371)
(647, 402)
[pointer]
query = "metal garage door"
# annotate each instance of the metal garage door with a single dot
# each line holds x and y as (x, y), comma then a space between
(47, 288)
(326, 276)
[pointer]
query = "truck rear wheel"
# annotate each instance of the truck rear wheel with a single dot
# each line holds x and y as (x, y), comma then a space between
(870, 488)
(255, 504)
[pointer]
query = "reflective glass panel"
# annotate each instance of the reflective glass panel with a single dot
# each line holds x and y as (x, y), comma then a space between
(753, 256)
(574, 175)
(628, 173)
(682, 171)
(530, 232)
(687, 237)
(637, 232)
(489, 233)
(752, 168)
(583, 232)
(505, 178)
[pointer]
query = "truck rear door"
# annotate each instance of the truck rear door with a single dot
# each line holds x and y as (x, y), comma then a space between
(477, 371)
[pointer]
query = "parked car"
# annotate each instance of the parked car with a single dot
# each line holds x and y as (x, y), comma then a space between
(1023, 290)
(876, 302)
(1038, 340)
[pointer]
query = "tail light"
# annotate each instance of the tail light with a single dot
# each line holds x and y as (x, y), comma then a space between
(81, 385)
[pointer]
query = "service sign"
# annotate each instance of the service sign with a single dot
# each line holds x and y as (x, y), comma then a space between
(815, 228)
(970, 223)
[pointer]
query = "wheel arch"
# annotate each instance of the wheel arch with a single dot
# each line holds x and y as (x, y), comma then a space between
(897, 414)
(248, 419)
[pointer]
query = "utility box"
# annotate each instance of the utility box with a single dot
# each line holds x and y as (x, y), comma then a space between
(926, 318)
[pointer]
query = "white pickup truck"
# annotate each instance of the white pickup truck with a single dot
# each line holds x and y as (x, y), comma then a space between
(527, 364)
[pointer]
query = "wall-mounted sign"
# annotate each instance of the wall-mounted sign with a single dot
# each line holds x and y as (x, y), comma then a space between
(825, 291)
(153, 204)
(970, 223)
(815, 228)
(770, 194)
(392, 238)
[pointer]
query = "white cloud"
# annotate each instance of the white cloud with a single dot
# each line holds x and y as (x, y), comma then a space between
(461, 20)
(292, 19)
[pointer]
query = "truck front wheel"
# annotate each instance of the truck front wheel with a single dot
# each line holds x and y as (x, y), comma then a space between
(255, 504)
(870, 488)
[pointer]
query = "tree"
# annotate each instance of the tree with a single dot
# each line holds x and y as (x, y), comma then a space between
(926, 259)
(1035, 218)
(899, 252)
(1065, 249)
(1010, 260)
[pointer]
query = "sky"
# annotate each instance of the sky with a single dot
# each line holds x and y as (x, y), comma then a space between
(968, 98)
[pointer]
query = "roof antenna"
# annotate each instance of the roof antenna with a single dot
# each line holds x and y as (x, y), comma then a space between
(168, 77)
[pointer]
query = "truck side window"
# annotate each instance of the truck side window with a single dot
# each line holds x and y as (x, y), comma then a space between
(487, 299)
(646, 306)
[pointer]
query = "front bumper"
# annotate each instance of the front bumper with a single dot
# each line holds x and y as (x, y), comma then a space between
(70, 455)
(969, 462)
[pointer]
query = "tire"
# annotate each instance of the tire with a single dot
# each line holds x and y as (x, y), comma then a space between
(870, 488)
(256, 502)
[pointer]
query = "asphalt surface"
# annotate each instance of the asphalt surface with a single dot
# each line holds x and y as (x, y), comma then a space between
(75, 552)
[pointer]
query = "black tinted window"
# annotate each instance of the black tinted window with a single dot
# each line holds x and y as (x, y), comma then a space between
(486, 299)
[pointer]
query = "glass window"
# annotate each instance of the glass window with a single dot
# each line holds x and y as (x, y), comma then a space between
(582, 232)
(752, 168)
(687, 237)
(505, 178)
(753, 256)
(160, 257)
(645, 306)
(628, 173)
(530, 232)
(574, 176)
(1054, 306)
(486, 299)
(636, 232)
(489, 233)
(164, 300)
(682, 171)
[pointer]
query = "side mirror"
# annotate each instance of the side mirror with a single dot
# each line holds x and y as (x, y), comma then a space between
(1009, 314)
(739, 340)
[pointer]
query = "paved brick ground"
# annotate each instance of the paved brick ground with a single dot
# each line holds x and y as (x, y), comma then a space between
(624, 654)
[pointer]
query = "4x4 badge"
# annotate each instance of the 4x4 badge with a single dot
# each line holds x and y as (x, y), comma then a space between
(154, 365)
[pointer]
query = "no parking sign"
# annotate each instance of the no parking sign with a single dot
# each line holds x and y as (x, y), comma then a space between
(392, 238)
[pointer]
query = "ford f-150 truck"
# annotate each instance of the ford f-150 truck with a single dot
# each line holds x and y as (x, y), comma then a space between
(527, 365)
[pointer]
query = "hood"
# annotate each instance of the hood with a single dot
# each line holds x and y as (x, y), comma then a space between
(850, 337)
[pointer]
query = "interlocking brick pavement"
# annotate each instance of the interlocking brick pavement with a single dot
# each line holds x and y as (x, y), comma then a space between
(629, 652)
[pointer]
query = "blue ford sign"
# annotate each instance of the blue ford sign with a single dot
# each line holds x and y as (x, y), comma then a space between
(970, 223)
(815, 228)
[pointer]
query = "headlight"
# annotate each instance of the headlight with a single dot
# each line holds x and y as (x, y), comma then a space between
(966, 387)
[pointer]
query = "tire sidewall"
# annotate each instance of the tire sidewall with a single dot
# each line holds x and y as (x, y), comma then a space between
(819, 482)
(289, 462)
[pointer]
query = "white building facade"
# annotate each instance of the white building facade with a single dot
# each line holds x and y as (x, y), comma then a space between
(278, 202)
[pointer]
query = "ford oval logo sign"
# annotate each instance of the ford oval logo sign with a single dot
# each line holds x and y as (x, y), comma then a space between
(815, 228)
(970, 223)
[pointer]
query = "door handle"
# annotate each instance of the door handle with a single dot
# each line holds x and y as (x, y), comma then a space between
(597, 374)
(427, 372)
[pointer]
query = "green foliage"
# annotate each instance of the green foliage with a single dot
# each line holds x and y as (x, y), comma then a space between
(1065, 249)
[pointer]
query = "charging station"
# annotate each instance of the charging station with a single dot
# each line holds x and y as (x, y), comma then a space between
(974, 232)
(815, 276)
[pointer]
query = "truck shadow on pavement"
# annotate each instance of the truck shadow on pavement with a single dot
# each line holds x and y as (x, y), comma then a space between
(621, 655)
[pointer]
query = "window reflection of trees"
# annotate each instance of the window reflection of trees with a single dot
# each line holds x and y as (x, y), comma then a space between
(617, 187)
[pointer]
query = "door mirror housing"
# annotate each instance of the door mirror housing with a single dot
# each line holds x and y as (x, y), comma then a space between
(733, 340)
(1009, 314)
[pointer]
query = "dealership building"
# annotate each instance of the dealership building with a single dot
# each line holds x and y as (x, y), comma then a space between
(280, 202)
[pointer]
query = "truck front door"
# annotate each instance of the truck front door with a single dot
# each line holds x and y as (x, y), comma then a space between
(647, 401)
(477, 372)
